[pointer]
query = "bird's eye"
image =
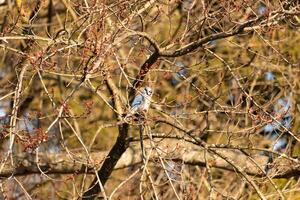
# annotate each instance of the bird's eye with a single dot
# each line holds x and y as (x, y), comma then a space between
(148, 91)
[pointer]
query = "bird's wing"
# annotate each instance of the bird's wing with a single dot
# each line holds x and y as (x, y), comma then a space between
(138, 100)
(280, 144)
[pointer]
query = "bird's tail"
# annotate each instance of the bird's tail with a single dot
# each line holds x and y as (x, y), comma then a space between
(269, 162)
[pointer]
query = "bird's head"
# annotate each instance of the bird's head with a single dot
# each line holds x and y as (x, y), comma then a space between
(148, 91)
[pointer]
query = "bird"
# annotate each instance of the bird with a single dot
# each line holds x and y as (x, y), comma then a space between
(262, 9)
(274, 130)
(269, 76)
(141, 102)
(180, 74)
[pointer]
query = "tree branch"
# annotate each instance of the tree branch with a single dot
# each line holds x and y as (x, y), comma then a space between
(64, 163)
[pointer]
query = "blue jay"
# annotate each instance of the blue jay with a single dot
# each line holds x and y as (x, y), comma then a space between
(272, 130)
(182, 72)
(269, 76)
(141, 102)
(262, 9)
